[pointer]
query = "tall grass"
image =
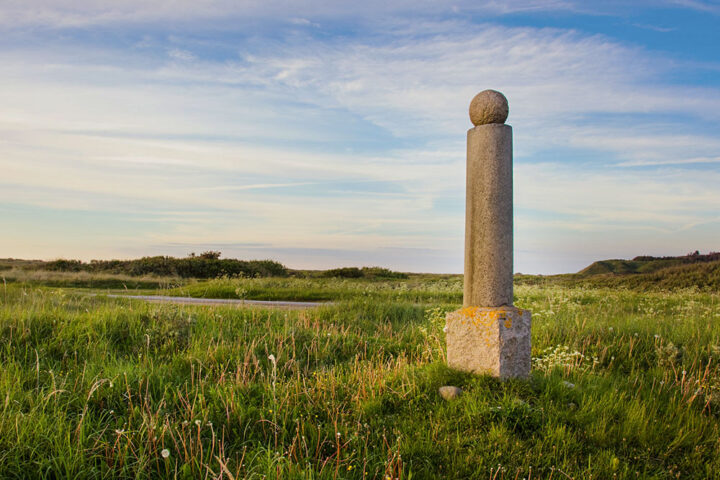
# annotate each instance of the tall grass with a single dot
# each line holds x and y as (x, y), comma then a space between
(624, 385)
(88, 280)
(416, 289)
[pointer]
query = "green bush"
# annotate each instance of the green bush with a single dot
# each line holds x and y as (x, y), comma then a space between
(345, 272)
(207, 265)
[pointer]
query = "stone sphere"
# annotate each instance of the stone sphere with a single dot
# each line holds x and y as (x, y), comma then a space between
(488, 106)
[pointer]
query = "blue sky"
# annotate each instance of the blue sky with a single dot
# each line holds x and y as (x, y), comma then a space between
(326, 134)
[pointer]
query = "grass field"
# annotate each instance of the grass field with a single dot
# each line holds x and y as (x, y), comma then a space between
(624, 385)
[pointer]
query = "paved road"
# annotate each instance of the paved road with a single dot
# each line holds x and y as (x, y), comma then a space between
(217, 301)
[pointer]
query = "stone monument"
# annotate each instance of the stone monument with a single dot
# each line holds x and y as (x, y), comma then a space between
(489, 335)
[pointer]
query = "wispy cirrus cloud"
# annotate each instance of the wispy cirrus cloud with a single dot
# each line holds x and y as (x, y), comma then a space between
(356, 142)
(79, 13)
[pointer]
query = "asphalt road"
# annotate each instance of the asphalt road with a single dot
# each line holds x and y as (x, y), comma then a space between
(217, 301)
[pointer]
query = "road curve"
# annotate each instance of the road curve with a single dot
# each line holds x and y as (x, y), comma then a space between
(216, 301)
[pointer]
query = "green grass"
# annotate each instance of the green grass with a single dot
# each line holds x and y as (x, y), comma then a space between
(658, 276)
(624, 385)
(87, 280)
(423, 289)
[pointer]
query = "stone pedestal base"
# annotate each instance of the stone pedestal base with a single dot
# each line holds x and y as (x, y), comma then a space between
(493, 341)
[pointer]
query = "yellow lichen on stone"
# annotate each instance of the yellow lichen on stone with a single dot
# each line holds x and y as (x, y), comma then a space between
(483, 318)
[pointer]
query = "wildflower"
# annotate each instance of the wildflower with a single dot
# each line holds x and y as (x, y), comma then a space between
(165, 453)
(120, 431)
(271, 357)
(657, 336)
(198, 422)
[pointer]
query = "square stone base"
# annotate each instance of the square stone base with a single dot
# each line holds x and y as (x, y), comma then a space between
(493, 341)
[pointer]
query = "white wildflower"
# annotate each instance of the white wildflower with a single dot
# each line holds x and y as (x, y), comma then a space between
(165, 453)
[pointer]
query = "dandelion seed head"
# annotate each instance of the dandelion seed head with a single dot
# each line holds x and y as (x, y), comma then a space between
(165, 453)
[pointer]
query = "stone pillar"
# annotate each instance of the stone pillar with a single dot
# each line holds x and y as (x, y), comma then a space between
(489, 335)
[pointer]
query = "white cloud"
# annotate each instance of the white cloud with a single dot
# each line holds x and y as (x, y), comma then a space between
(74, 13)
(182, 55)
(81, 13)
(107, 130)
(676, 161)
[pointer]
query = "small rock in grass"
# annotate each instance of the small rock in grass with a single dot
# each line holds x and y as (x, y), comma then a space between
(448, 392)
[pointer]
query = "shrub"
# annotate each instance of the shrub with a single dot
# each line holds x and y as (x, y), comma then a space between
(345, 272)
(207, 265)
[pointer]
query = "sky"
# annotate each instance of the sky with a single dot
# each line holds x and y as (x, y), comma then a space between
(325, 134)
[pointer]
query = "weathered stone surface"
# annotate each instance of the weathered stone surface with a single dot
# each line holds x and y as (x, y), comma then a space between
(494, 341)
(489, 217)
(449, 392)
(489, 106)
(489, 335)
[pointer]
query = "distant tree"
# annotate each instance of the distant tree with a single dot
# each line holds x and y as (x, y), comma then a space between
(345, 272)
(210, 255)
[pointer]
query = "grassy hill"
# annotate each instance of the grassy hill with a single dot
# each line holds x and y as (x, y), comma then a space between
(646, 264)
(644, 273)
(702, 276)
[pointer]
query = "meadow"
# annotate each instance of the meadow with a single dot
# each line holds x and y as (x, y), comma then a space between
(625, 384)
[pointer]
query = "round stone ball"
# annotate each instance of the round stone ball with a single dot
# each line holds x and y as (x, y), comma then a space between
(488, 106)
